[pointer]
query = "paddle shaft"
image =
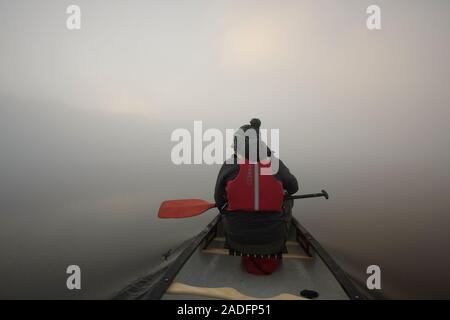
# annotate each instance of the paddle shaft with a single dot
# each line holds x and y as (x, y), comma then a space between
(187, 208)
(301, 196)
(311, 195)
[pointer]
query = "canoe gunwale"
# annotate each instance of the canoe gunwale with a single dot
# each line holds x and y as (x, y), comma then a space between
(340, 275)
(157, 291)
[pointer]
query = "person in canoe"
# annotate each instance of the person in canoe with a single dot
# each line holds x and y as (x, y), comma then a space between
(250, 194)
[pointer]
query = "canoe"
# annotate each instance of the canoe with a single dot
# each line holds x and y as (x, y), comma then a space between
(203, 268)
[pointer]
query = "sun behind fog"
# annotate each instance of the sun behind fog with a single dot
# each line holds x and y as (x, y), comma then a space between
(253, 43)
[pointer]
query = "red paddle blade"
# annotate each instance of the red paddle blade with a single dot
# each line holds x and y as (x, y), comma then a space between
(178, 209)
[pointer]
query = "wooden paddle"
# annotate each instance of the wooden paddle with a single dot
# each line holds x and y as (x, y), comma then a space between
(224, 293)
(186, 208)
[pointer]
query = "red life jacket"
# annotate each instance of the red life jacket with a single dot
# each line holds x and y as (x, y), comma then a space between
(251, 191)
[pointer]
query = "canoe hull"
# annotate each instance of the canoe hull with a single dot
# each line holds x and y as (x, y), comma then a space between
(204, 264)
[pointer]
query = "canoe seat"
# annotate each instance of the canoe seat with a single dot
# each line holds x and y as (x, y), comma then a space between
(233, 252)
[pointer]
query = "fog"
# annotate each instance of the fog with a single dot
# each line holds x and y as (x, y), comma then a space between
(86, 118)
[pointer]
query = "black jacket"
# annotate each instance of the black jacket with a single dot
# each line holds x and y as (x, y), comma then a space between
(230, 171)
